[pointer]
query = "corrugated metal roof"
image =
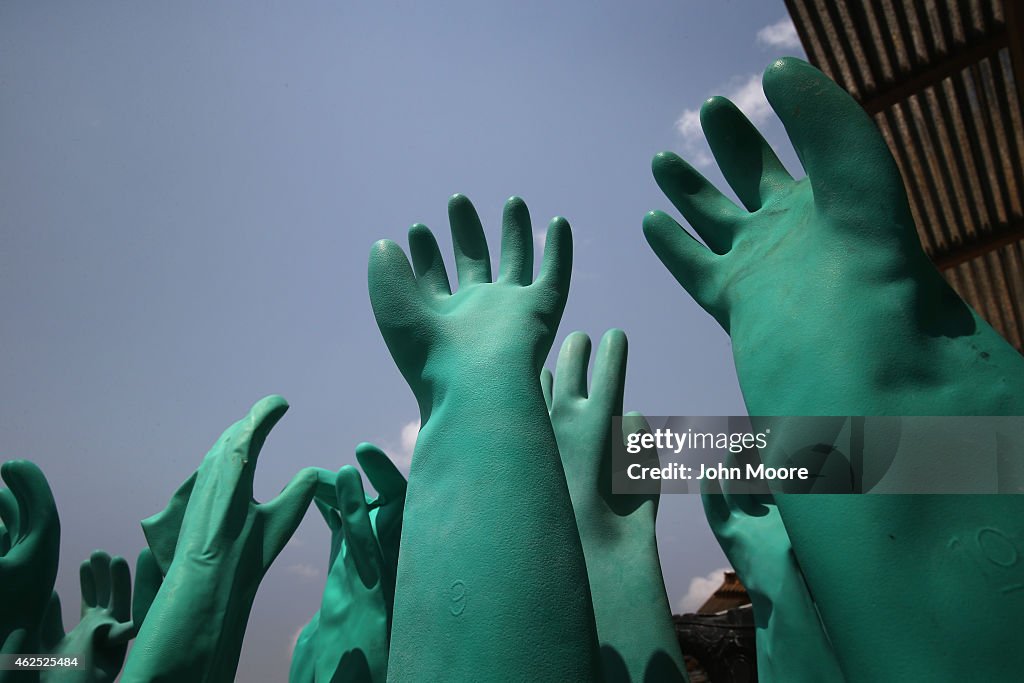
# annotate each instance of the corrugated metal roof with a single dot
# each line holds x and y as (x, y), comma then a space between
(939, 79)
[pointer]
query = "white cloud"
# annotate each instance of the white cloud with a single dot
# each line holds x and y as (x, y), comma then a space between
(746, 93)
(303, 571)
(688, 124)
(701, 588)
(400, 449)
(749, 97)
(410, 432)
(540, 237)
(781, 34)
(401, 452)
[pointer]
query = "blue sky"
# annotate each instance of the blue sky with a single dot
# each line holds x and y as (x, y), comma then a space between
(189, 192)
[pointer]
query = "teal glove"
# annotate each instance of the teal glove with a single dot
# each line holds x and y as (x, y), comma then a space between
(215, 543)
(634, 620)
(8, 516)
(30, 544)
(100, 639)
(347, 639)
(822, 283)
(834, 309)
(791, 642)
(148, 579)
(386, 513)
(492, 584)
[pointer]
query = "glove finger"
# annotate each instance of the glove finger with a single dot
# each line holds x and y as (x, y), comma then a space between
(747, 161)
(547, 381)
(148, 580)
(381, 472)
(427, 263)
(362, 545)
(120, 589)
(516, 244)
(283, 514)
(100, 563)
(571, 368)
(609, 382)
(472, 260)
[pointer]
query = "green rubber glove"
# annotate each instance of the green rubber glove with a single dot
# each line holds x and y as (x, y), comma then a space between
(14, 643)
(791, 642)
(386, 513)
(492, 584)
(215, 543)
(634, 620)
(28, 563)
(834, 309)
(8, 515)
(100, 639)
(148, 579)
(347, 639)
(824, 279)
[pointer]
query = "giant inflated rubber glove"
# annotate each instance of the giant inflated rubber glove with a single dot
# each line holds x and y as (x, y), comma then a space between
(215, 544)
(634, 620)
(492, 584)
(109, 620)
(791, 642)
(348, 636)
(834, 309)
(28, 565)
